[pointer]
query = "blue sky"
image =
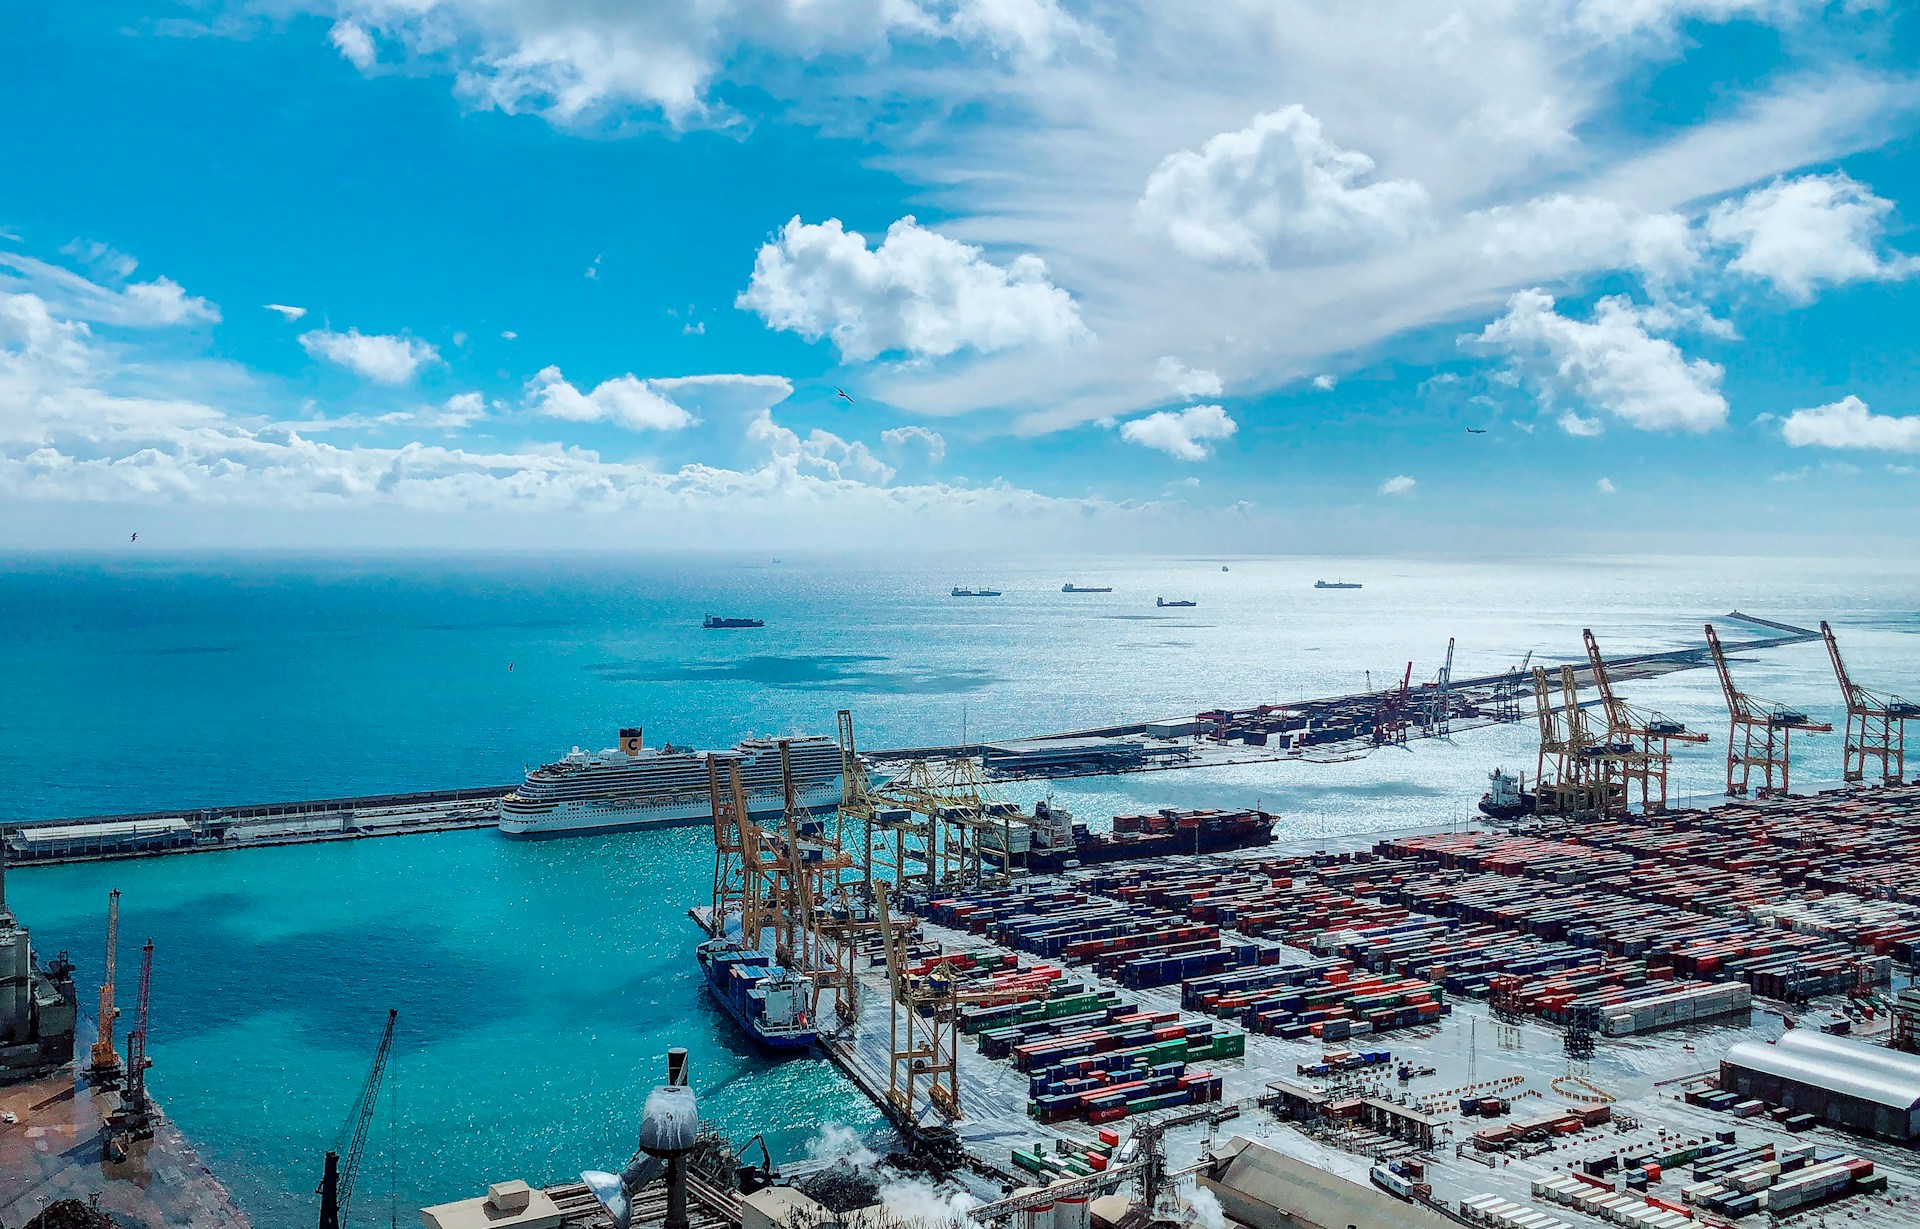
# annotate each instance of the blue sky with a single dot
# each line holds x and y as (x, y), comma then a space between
(1235, 276)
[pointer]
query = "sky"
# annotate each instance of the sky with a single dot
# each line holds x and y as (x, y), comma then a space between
(1294, 276)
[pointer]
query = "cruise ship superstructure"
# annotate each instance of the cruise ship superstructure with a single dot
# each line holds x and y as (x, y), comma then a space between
(635, 786)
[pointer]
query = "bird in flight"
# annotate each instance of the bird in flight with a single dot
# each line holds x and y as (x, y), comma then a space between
(842, 394)
(134, 538)
(1476, 430)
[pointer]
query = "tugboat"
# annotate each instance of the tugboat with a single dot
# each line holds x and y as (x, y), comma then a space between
(1163, 602)
(1335, 584)
(716, 622)
(959, 592)
(769, 1002)
(1506, 797)
(1070, 587)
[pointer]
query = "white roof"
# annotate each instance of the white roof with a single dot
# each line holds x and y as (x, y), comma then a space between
(60, 833)
(1837, 1064)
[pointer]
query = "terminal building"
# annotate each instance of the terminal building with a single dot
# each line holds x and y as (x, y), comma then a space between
(1842, 1082)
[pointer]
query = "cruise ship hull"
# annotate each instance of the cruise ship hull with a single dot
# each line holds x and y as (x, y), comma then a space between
(614, 815)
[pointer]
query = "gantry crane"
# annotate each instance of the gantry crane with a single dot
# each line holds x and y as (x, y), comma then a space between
(1439, 698)
(1876, 724)
(337, 1179)
(134, 1119)
(1639, 745)
(1390, 715)
(925, 1030)
(1570, 777)
(790, 881)
(105, 1067)
(1760, 734)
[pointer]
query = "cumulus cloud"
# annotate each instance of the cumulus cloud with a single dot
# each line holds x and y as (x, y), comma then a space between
(820, 452)
(1325, 383)
(1848, 423)
(918, 293)
(381, 357)
(289, 313)
(626, 401)
(1605, 487)
(1188, 382)
(901, 438)
(1399, 484)
(1274, 192)
(1610, 364)
(1806, 233)
(1183, 434)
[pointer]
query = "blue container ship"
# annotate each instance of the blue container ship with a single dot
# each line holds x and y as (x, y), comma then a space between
(773, 1005)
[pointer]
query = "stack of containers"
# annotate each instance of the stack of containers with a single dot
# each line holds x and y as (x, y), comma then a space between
(1499, 1213)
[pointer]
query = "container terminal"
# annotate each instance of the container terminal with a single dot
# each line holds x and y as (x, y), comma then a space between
(1606, 1011)
(1329, 729)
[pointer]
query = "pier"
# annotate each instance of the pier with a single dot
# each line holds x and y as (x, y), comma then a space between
(1325, 730)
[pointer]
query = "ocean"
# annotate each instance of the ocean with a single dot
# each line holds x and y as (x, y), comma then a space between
(540, 984)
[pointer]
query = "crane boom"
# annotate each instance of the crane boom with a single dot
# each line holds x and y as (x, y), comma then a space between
(1759, 734)
(336, 1192)
(106, 1060)
(1876, 724)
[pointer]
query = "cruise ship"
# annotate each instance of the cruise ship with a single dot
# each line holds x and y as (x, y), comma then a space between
(635, 786)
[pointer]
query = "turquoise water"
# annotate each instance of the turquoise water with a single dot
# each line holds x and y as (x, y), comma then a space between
(540, 984)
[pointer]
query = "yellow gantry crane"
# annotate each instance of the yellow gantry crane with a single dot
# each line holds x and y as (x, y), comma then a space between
(1876, 724)
(925, 1036)
(1639, 745)
(1760, 734)
(1571, 779)
(106, 1060)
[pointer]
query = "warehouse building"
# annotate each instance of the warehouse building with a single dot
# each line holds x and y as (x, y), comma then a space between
(1842, 1082)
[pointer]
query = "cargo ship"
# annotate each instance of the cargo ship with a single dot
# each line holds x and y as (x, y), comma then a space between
(714, 622)
(1051, 839)
(1506, 797)
(773, 1005)
(1161, 601)
(959, 592)
(1335, 584)
(1070, 587)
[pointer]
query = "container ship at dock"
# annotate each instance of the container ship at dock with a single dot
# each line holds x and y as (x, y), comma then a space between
(770, 1003)
(1050, 839)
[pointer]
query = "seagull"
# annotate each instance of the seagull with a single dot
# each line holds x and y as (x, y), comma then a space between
(1476, 430)
(134, 538)
(842, 394)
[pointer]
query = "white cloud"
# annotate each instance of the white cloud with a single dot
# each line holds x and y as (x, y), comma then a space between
(380, 357)
(1187, 381)
(918, 293)
(1572, 233)
(290, 313)
(1610, 364)
(1848, 423)
(696, 328)
(1274, 192)
(1399, 484)
(456, 413)
(899, 438)
(1605, 487)
(575, 66)
(353, 43)
(624, 400)
(1806, 233)
(1616, 19)
(1183, 434)
(593, 270)
(1580, 425)
(508, 334)
(160, 303)
(1325, 383)
(819, 452)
